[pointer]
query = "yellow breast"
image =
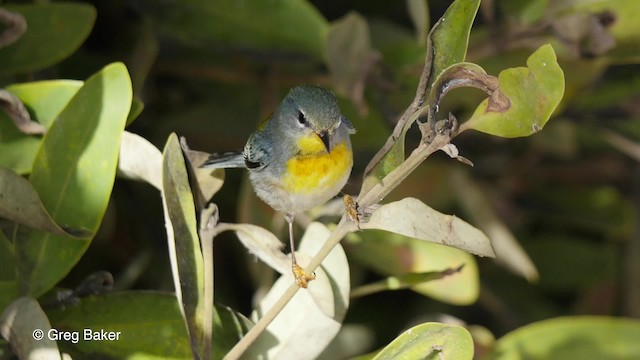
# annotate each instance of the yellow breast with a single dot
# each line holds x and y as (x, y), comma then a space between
(316, 170)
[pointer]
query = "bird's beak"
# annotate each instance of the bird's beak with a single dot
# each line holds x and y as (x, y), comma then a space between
(326, 139)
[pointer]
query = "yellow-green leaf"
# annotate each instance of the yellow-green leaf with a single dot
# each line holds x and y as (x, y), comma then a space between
(525, 99)
(73, 173)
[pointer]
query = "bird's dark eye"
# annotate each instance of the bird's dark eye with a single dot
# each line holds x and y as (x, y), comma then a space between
(301, 118)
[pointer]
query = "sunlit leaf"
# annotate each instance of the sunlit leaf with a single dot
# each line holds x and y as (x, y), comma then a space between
(302, 329)
(184, 244)
(411, 217)
(263, 244)
(140, 160)
(525, 99)
(54, 32)
(579, 337)
(73, 173)
(19, 325)
(335, 266)
(45, 100)
(430, 340)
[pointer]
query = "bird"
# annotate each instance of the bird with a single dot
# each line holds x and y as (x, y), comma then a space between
(300, 157)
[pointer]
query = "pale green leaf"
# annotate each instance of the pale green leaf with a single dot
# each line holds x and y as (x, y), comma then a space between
(184, 244)
(579, 337)
(430, 341)
(411, 217)
(45, 100)
(140, 160)
(293, 335)
(261, 243)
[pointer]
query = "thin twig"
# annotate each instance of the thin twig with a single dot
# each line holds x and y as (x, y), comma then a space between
(416, 104)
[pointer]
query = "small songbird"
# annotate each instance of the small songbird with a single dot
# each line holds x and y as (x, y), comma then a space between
(298, 158)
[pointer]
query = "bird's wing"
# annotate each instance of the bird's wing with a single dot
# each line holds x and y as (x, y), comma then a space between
(225, 161)
(256, 153)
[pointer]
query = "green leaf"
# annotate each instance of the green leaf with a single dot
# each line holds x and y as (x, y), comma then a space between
(8, 292)
(21, 324)
(404, 281)
(45, 100)
(54, 32)
(448, 41)
(136, 109)
(430, 341)
(254, 24)
(8, 283)
(579, 337)
(20, 203)
(527, 12)
(149, 324)
(391, 254)
(8, 268)
(350, 57)
(450, 35)
(184, 243)
(419, 13)
(525, 99)
(73, 173)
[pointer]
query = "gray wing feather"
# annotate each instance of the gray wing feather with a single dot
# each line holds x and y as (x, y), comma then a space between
(225, 161)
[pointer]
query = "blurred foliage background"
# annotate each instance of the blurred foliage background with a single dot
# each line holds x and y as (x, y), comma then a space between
(210, 71)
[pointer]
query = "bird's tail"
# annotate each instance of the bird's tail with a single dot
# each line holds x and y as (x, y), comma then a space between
(224, 161)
